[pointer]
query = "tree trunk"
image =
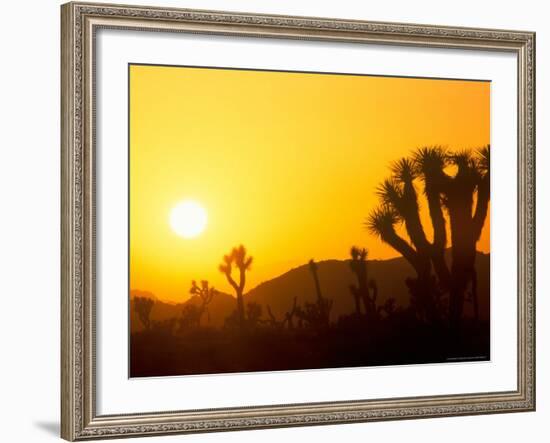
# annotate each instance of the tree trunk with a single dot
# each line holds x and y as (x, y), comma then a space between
(463, 254)
(240, 308)
(317, 287)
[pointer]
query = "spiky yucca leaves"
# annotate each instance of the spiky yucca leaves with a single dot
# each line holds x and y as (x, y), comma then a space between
(404, 170)
(382, 222)
(238, 258)
(391, 194)
(430, 164)
(358, 254)
(455, 183)
(484, 159)
(204, 291)
(462, 186)
(399, 193)
(482, 205)
(459, 199)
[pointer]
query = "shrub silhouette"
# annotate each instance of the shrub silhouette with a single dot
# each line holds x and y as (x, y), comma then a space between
(232, 320)
(164, 327)
(206, 294)
(253, 313)
(315, 315)
(190, 316)
(463, 196)
(388, 307)
(272, 320)
(143, 306)
(288, 317)
(237, 257)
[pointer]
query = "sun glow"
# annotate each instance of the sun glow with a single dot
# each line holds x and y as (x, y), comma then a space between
(188, 219)
(296, 183)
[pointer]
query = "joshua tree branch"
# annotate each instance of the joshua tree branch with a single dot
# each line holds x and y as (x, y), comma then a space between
(482, 206)
(232, 282)
(438, 220)
(406, 250)
(412, 216)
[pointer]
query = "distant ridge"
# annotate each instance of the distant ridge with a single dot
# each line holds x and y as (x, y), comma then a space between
(335, 276)
(139, 293)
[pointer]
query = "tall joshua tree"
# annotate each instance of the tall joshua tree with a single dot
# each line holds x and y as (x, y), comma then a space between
(462, 195)
(430, 163)
(324, 305)
(314, 272)
(206, 293)
(360, 292)
(237, 258)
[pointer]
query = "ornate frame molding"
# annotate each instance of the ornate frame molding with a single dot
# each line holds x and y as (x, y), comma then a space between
(79, 420)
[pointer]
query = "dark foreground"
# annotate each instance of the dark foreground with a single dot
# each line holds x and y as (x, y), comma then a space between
(205, 350)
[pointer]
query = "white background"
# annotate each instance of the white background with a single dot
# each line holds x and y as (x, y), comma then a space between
(29, 220)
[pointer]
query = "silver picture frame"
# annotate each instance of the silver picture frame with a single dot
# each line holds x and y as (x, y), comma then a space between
(80, 22)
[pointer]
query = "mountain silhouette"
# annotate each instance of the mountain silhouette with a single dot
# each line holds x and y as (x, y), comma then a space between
(335, 276)
(221, 306)
(139, 293)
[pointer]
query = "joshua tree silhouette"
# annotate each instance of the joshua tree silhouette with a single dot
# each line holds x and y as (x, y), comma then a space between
(321, 310)
(237, 257)
(463, 195)
(143, 306)
(358, 265)
(206, 294)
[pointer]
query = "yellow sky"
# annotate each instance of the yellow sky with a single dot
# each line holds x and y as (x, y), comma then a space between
(284, 163)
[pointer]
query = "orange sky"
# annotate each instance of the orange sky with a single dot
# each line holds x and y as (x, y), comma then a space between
(284, 163)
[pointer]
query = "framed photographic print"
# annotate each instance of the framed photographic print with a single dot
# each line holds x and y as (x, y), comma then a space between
(282, 221)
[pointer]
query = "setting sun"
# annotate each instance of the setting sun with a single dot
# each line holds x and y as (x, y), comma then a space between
(188, 219)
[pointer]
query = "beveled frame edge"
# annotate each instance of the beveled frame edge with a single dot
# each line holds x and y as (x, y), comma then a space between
(78, 24)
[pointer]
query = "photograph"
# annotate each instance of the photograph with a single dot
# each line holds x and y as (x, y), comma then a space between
(293, 220)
